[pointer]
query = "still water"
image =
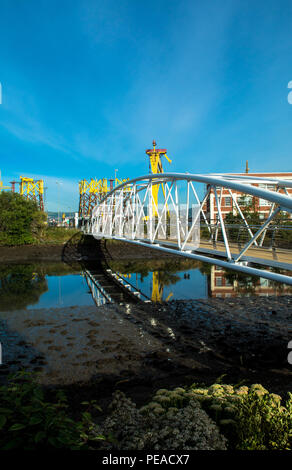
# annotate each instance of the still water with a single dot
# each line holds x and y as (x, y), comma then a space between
(49, 323)
(53, 285)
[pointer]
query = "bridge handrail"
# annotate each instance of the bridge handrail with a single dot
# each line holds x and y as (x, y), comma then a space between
(281, 199)
(282, 183)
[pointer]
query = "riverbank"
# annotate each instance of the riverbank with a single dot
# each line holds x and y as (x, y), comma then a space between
(94, 351)
(77, 247)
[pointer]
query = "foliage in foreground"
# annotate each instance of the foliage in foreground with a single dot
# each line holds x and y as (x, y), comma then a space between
(159, 427)
(22, 223)
(248, 418)
(29, 422)
(217, 417)
(251, 418)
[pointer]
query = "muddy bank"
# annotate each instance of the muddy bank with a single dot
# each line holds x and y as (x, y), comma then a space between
(76, 249)
(30, 253)
(93, 351)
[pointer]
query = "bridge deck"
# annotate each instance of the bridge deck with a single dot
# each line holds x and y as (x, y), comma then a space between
(207, 252)
(277, 258)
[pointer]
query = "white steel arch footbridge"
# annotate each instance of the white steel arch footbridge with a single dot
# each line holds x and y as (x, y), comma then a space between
(212, 218)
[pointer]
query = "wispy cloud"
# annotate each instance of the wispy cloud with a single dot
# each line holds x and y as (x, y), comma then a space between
(22, 118)
(175, 88)
(168, 94)
(173, 71)
(32, 132)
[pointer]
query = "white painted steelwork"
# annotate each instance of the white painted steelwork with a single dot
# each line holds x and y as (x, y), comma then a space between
(126, 214)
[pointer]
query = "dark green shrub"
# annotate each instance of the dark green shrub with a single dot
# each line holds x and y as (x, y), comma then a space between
(160, 425)
(20, 219)
(29, 422)
(262, 423)
(251, 418)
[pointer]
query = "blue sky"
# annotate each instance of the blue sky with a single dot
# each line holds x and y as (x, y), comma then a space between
(87, 85)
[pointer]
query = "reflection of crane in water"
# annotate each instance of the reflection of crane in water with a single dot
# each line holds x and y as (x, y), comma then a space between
(157, 288)
(157, 285)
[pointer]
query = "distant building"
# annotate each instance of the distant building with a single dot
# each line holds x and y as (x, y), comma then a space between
(261, 206)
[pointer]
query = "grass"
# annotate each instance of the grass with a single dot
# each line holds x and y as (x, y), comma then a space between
(57, 235)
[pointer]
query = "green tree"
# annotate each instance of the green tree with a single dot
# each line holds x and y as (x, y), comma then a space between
(234, 223)
(20, 219)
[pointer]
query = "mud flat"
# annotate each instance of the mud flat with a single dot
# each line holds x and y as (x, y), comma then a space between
(31, 253)
(138, 348)
(92, 351)
(88, 248)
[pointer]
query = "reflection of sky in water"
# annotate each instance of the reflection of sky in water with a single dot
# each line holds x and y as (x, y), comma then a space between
(64, 291)
(194, 287)
(72, 289)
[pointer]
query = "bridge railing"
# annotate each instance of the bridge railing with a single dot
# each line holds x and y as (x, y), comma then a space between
(277, 235)
(140, 216)
(172, 210)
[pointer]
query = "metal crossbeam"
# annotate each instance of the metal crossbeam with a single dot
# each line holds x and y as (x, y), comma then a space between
(170, 219)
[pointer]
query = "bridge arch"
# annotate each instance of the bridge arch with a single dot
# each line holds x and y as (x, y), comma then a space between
(176, 222)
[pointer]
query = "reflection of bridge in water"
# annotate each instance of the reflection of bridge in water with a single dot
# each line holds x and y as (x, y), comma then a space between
(177, 221)
(106, 286)
(129, 286)
(109, 287)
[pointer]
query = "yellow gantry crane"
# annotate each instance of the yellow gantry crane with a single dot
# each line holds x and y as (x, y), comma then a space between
(2, 187)
(33, 190)
(91, 192)
(126, 188)
(28, 188)
(155, 156)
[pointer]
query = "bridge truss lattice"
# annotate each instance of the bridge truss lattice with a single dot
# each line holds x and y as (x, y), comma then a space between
(179, 223)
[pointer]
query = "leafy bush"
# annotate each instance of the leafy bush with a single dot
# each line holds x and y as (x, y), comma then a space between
(251, 418)
(262, 423)
(159, 425)
(29, 422)
(218, 417)
(20, 219)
